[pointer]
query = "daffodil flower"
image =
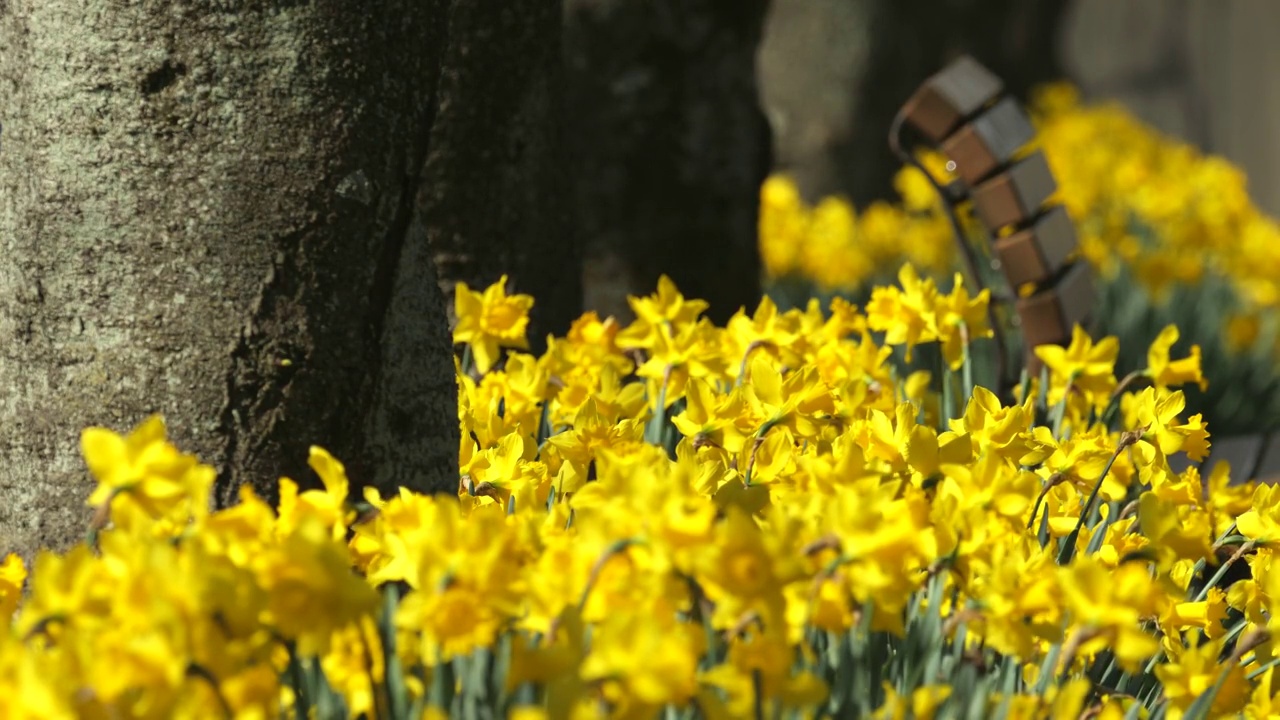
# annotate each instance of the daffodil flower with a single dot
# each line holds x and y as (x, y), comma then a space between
(490, 321)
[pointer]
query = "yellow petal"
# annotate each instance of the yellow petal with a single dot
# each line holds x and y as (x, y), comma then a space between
(331, 472)
(104, 452)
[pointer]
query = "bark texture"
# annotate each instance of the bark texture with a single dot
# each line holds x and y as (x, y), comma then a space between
(670, 147)
(207, 209)
(833, 73)
(496, 204)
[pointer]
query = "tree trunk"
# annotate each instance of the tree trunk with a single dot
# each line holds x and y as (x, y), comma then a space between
(496, 204)
(670, 147)
(833, 74)
(214, 213)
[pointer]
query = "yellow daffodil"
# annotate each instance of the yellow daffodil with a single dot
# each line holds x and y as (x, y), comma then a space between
(1108, 606)
(797, 401)
(1165, 372)
(1082, 366)
(1263, 700)
(904, 314)
(503, 475)
(1182, 531)
(307, 565)
(1261, 523)
(691, 350)
(959, 320)
(1020, 605)
(646, 660)
(13, 575)
(667, 308)
(1157, 412)
(1192, 671)
(795, 505)
(490, 321)
(329, 506)
(145, 470)
(710, 417)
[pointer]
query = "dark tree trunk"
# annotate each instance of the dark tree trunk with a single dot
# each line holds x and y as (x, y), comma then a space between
(670, 147)
(223, 216)
(497, 203)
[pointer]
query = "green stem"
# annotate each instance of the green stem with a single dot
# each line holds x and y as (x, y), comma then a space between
(301, 703)
(617, 547)
(948, 396)
(1258, 671)
(1068, 549)
(1060, 410)
(393, 675)
(468, 360)
(1222, 570)
(757, 441)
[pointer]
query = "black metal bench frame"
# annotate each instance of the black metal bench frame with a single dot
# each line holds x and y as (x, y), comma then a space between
(963, 112)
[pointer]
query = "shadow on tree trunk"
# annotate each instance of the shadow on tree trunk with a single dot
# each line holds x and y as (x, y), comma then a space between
(669, 147)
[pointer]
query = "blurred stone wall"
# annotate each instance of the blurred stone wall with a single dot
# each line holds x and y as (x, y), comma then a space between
(832, 72)
(1203, 70)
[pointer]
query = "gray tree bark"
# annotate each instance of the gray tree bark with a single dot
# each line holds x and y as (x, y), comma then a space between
(220, 211)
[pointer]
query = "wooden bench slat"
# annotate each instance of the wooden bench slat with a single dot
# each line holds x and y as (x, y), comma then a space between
(950, 97)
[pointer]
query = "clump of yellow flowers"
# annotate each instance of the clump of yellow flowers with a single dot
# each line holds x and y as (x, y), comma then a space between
(677, 520)
(838, 248)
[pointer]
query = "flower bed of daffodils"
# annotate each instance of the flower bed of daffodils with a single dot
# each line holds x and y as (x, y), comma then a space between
(678, 520)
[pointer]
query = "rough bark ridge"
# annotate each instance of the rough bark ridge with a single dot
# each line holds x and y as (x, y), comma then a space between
(208, 206)
(495, 202)
(670, 147)
(834, 72)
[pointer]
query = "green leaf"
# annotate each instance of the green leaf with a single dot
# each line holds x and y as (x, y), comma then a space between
(396, 688)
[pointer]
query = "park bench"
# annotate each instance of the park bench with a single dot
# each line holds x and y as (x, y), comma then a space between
(986, 136)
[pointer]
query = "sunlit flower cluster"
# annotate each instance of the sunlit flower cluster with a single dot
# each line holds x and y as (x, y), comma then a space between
(837, 247)
(676, 519)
